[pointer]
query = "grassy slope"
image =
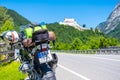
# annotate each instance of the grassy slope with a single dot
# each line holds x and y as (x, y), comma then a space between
(9, 71)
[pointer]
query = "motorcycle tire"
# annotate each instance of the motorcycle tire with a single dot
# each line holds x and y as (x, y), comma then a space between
(50, 75)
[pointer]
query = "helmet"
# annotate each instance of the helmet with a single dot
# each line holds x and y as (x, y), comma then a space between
(10, 36)
(42, 23)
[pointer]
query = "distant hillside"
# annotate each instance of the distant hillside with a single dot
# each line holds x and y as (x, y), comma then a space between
(15, 19)
(18, 19)
(111, 26)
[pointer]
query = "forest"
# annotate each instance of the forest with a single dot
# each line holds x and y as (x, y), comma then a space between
(69, 38)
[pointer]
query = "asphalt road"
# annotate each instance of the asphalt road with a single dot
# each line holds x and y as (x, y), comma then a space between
(88, 67)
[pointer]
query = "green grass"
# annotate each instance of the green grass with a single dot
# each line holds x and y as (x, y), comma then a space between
(9, 71)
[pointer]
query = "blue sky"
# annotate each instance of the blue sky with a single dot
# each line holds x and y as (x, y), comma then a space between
(89, 12)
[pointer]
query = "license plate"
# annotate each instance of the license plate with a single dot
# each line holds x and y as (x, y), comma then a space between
(44, 57)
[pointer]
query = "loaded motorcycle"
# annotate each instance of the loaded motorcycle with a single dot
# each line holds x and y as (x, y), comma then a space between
(36, 60)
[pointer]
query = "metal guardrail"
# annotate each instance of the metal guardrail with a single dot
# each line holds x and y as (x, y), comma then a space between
(8, 56)
(6, 60)
(5, 54)
(96, 51)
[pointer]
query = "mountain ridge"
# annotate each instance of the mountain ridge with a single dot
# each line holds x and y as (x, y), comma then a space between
(18, 18)
(13, 17)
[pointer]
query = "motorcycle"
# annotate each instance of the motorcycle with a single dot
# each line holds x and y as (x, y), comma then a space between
(41, 63)
(36, 60)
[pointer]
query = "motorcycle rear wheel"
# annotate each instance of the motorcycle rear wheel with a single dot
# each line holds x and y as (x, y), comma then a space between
(50, 75)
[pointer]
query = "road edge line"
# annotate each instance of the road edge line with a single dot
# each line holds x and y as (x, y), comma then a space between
(73, 72)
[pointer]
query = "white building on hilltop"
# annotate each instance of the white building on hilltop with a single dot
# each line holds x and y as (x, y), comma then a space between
(72, 22)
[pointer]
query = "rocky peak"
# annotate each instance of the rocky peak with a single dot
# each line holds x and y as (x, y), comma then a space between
(72, 22)
(115, 13)
(113, 19)
(111, 26)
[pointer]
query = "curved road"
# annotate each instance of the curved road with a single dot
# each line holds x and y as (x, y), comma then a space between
(88, 67)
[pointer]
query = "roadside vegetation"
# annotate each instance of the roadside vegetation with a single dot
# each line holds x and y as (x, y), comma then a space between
(10, 71)
(69, 38)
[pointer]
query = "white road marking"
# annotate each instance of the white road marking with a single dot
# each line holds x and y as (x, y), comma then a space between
(108, 59)
(73, 72)
(102, 58)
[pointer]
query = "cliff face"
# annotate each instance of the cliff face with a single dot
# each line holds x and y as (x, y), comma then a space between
(111, 27)
(112, 21)
(72, 22)
(115, 13)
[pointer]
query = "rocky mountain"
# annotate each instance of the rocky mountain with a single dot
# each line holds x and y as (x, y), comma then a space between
(72, 22)
(111, 26)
